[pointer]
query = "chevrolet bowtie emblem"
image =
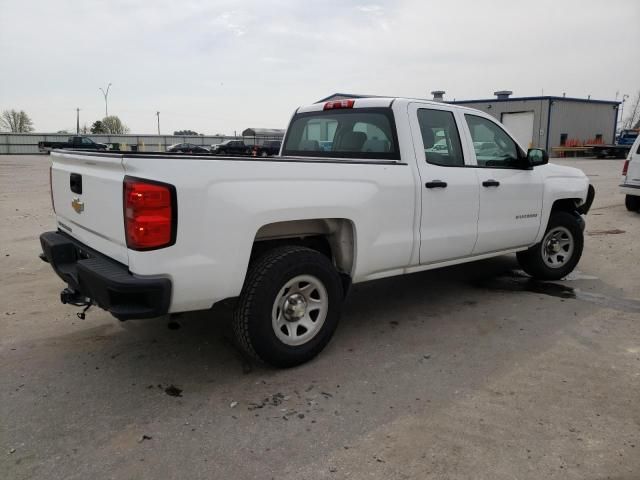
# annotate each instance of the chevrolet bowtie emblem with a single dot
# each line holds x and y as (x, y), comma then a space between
(77, 204)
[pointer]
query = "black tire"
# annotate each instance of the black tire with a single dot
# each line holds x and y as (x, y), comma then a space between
(632, 202)
(532, 261)
(252, 320)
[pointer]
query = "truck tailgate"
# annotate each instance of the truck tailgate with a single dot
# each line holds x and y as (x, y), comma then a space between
(87, 196)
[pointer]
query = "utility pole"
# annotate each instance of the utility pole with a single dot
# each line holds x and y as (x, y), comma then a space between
(158, 115)
(77, 121)
(106, 95)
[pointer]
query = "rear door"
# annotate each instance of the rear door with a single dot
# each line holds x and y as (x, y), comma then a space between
(449, 218)
(510, 194)
(87, 196)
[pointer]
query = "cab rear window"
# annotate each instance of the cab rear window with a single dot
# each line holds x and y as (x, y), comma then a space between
(363, 133)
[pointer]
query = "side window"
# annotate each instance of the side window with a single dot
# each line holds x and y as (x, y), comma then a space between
(440, 138)
(87, 141)
(493, 147)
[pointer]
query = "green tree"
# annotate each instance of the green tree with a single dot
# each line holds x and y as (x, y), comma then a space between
(98, 127)
(16, 122)
(185, 132)
(113, 125)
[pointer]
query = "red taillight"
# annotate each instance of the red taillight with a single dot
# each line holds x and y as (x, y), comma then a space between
(336, 104)
(150, 214)
(625, 169)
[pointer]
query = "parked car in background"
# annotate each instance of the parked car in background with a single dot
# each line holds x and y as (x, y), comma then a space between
(486, 150)
(283, 238)
(439, 146)
(325, 145)
(631, 178)
(187, 148)
(231, 147)
(77, 142)
(267, 149)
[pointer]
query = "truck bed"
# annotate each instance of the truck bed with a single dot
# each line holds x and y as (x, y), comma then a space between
(206, 156)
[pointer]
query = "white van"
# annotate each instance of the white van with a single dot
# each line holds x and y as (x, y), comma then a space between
(631, 178)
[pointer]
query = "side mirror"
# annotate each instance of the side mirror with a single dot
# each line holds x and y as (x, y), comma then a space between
(537, 157)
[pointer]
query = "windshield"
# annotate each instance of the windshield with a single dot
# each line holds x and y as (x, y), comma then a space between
(367, 133)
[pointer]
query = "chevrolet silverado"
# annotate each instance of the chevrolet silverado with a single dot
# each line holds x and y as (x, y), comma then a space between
(144, 235)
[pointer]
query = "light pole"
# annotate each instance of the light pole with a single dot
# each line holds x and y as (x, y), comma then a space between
(106, 95)
(158, 115)
(624, 98)
(77, 121)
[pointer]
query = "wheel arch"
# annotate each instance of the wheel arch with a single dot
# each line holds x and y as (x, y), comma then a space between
(334, 237)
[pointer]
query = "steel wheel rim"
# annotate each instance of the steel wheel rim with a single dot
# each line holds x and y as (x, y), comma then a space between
(299, 310)
(557, 247)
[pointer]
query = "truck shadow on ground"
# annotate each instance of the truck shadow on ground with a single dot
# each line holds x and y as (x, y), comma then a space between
(404, 344)
(199, 348)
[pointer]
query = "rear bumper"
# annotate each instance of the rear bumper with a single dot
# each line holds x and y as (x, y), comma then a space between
(629, 189)
(108, 283)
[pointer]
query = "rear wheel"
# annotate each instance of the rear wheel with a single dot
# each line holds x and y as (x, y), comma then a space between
(632, 202)
(559, 251)
(289, 306)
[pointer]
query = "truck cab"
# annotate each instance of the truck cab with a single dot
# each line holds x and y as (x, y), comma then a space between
(627, 137)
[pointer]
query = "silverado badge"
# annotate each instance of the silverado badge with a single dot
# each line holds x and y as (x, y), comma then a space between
(77, 204)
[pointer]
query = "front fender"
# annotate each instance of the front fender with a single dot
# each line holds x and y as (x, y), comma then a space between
(563, 188)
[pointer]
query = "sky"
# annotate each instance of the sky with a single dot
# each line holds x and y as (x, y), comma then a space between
(223, 66)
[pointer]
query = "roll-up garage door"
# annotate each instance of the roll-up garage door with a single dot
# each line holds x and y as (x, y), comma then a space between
(520, 125)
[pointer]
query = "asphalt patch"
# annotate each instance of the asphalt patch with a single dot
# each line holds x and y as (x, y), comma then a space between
(527, 284)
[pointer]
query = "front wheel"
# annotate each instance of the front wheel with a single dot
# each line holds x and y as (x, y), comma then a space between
(559, 251)
(289, 306)
(632, 202)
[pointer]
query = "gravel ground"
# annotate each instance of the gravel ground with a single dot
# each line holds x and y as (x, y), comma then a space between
(466, 372)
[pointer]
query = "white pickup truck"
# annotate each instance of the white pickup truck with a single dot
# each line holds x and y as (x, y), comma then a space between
(358, 193)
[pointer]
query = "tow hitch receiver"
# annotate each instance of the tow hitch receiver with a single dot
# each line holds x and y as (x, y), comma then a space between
(72, 297)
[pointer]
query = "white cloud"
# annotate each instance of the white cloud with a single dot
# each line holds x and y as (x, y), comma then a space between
(223, 65)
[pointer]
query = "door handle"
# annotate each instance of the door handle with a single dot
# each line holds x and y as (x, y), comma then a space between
(436, 184)
(491, 183)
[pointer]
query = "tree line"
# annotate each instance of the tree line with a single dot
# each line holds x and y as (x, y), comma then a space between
(18, 121)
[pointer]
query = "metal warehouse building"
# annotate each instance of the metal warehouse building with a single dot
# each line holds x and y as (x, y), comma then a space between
(548, 122)
(545, 122)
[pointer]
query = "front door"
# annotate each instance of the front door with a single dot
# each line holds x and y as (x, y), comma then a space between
(510, 192)
(449, 190)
